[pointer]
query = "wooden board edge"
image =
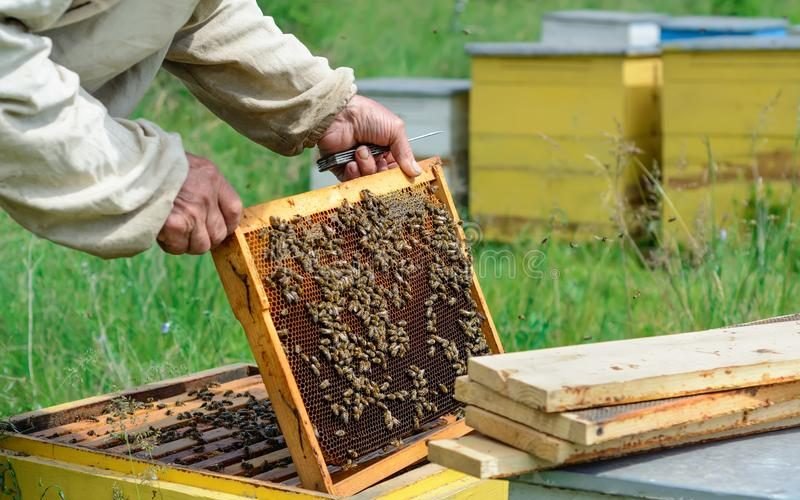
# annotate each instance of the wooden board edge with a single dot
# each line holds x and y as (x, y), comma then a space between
(497, 381)
(559, 451)
(539, 444)
(446, 454)
(398, 460)
(501, 375)
(482, 457)
(332, 196)
(685, 410)
(571, 426)
(245, 292)
(555, 424)
(73, 454)
(432, 481)
(685, 384)
(34, 476)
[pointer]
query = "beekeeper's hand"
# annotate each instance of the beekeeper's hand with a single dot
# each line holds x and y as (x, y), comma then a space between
(364, 121)
(206, 210)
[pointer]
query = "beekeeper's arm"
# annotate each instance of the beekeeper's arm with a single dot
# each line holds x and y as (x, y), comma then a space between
(269, 87)
(69, 172)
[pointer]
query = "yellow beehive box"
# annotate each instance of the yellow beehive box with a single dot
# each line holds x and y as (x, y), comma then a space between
(557, 134)
(209, 435)
(729, 102)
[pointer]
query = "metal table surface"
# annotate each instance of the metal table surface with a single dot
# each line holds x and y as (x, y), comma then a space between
(761, 466)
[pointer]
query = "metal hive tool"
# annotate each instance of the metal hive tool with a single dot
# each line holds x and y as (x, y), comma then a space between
(344, 157)
(361, 308)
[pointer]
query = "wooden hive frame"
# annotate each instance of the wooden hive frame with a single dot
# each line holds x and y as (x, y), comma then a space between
(249, 301)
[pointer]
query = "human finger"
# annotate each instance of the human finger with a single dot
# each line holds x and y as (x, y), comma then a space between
(401, 150)
(230, 206)
(174, 235)
(381, 164)
(199, 240)
(351, 171)
(365, 161)
(216, 227)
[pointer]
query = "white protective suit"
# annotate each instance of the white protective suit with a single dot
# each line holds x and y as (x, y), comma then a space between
(74, 170)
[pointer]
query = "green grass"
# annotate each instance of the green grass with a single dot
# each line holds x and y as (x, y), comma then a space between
(95, 325)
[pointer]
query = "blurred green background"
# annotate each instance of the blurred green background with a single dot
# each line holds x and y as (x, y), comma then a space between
(72, 325)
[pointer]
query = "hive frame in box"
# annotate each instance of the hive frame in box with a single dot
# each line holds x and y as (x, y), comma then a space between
(35, 463)
(248, 299)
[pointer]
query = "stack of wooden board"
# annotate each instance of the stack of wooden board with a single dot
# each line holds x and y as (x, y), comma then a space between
(582, 403)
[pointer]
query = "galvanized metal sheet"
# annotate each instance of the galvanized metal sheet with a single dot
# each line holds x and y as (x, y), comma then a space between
(412, 86)
(527, 49)
(605, 16)
(733, 43)
(728, 24)
(764, 466)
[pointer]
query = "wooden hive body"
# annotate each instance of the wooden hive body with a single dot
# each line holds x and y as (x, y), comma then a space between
(72, 451)
(730, 129)
(551, 129)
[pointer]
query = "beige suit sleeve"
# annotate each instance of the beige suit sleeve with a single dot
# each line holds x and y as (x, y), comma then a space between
(70, 172)
(264, 83)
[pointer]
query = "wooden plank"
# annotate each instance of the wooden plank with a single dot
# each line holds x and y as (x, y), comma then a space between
(405, 456)
(568, 156)
(167, 449)
(188, 456)
(89, 407)
(558, 451)
(140, 468)
(326, 198)
(725, 67)
(431, 481)
(688, 154)
(43, 479)
(597, 425)
(644, 369)
(643, 83)
(483, 457)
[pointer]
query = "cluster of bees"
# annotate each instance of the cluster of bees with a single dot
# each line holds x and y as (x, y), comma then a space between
(356, 280)
(253, 422)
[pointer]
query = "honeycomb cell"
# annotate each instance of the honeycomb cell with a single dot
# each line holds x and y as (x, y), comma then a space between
(374, 308)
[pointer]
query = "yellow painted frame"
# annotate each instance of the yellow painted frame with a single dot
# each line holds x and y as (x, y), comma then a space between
(42, 472)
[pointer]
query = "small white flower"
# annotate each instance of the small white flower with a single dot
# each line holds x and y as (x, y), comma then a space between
(165, 327)
(723, 234)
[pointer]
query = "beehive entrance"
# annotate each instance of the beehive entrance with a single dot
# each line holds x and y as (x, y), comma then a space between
(366, 311)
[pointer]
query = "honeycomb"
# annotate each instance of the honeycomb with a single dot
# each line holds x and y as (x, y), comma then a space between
(372, 303)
